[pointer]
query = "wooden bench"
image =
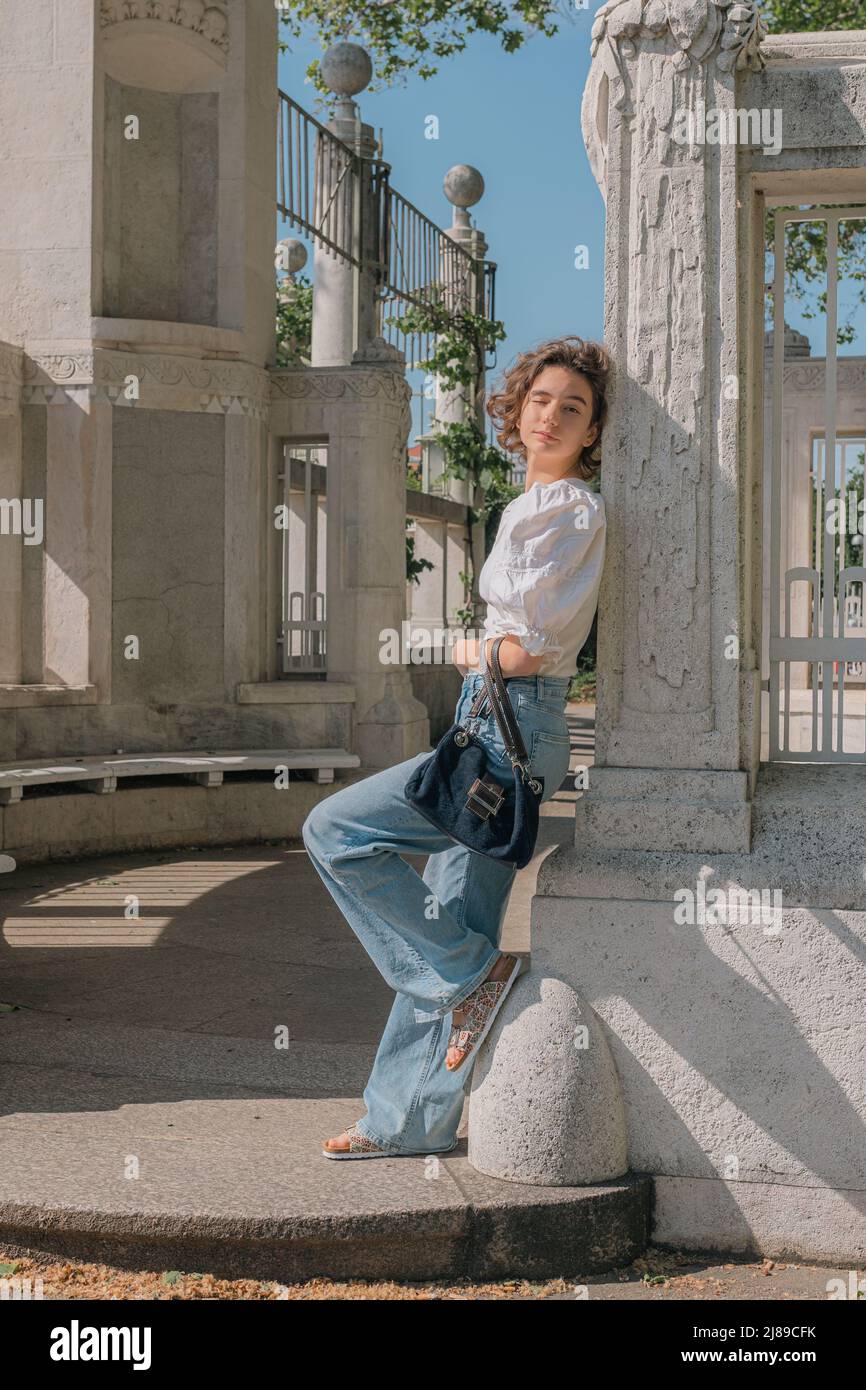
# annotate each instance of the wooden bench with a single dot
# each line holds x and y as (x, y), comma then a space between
(100, 774)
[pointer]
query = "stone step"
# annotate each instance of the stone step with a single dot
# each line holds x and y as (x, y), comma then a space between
(799, 805)
(184, 1152)
(221, 1192)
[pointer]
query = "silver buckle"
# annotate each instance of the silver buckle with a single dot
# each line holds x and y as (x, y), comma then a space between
(485, 798)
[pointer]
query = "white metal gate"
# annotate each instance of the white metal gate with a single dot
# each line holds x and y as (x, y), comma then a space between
(835, 644)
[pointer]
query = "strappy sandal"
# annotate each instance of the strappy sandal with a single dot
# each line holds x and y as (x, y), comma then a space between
(482, 1006)
(361, 1146)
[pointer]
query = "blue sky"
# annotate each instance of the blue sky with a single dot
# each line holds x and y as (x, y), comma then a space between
(516, 118)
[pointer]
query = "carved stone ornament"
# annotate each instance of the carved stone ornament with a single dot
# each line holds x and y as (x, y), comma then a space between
(811, 375)
(335, 384)
(729, 31)
(167, 382)
(197, 16)
(687, 35)
(378, 351)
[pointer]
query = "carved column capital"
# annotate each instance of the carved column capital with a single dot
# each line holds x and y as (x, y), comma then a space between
(692, 35)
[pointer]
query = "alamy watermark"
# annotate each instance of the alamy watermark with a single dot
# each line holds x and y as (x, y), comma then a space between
(22, 516)
(416, 645)
(735, 125)
(732, 906)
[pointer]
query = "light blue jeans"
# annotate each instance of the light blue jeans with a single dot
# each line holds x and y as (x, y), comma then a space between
(433, 938)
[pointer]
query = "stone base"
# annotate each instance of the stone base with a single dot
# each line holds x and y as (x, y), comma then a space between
(738, 1044)
(546, 1106)
(766, 1219)
(681, 808)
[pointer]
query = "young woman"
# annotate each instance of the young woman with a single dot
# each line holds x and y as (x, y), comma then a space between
(434, 938)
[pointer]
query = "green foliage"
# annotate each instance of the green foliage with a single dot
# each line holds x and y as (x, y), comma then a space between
(464, 615)
(805, 16)
(806, 264)
(413, 35)
(463, 340)
(414, 567)
(295, 324)
(583, 685)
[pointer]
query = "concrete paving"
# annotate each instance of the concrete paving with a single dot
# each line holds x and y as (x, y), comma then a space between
(149, 1115)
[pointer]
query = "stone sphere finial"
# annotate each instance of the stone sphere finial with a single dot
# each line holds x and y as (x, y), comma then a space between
(463, 185)
(295, 255)
(346, 68)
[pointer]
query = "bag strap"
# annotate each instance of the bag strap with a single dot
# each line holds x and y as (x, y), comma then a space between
(494, 693)
(497, 698)
(503, 708)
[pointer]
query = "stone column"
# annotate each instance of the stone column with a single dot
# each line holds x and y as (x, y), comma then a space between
(344, 298)
(146, 311)
(678, 682)
(367, 557)
(77, 585)
(464, 187)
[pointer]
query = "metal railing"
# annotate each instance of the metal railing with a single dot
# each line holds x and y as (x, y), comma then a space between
(411, 260)
(422, 266)
(317, 181)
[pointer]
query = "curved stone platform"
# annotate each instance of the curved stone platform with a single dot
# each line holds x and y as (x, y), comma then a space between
(149, 1118)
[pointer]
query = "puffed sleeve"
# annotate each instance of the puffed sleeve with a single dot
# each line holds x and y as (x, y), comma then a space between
(549, 554)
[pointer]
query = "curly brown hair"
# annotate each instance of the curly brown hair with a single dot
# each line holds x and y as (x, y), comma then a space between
(504, 406)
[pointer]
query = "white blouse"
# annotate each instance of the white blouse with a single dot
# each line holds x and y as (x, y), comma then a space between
(541, 578)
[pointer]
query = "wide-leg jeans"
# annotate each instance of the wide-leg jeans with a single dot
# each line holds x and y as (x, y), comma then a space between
(435, 937)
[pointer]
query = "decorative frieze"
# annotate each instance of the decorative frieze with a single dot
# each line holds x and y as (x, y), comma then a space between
(53, 368)
(196, 16)
(162, 381)
(811, 375)
(333, 383)
(318, 386)
(168, 382)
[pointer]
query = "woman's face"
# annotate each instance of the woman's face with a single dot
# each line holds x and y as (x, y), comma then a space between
(555, 419)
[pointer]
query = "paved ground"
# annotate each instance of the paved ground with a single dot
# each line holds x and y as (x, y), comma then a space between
(141, 1088)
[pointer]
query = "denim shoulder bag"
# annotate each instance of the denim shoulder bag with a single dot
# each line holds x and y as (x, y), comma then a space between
(454, 790)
